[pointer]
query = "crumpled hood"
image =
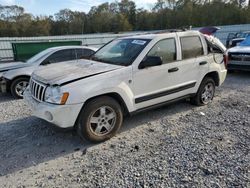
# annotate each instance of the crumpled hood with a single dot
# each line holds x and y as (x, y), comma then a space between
(70, 71)
(11, 66)
(239, 49)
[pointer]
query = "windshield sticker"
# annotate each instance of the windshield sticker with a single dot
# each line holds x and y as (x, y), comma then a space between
(139, 42)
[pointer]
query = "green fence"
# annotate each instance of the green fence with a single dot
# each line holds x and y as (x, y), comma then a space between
(25, 50)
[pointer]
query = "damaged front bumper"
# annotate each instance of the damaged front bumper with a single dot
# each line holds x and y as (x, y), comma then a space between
(63, 116)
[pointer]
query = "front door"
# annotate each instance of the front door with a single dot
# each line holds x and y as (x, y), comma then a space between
(153, 85)
(178, 75)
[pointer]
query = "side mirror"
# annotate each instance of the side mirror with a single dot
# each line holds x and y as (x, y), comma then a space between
(150, 61)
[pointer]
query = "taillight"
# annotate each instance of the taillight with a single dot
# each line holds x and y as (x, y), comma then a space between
(225, 59)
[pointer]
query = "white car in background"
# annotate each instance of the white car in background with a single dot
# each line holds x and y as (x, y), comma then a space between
(14, 77)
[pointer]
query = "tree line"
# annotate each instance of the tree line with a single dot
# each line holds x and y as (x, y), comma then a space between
(122, 16)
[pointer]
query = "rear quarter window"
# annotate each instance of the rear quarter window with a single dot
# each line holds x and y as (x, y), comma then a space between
(84, 53)
(191, 47)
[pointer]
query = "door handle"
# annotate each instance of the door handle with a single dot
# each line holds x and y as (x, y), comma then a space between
(173, 69)
(203, 63)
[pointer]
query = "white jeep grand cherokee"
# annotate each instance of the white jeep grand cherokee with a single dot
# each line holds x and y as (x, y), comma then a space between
(125, 76)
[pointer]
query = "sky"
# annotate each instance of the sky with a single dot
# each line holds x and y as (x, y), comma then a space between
(50, 7)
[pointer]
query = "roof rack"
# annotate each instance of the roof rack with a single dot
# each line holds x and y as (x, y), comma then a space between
(167, 31)
(160, 32)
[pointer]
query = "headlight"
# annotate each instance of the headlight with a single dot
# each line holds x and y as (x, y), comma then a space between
(55, 95)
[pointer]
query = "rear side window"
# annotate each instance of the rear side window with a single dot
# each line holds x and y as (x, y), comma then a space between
(83, 53)
(166, 49)
(191, 47)
(62, 55)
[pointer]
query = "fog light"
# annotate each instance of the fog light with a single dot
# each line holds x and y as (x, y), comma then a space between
(48, 116)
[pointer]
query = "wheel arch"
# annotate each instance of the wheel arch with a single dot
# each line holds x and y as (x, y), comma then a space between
(215, 76)
(113, 95)
(9, 82)
(20, 76)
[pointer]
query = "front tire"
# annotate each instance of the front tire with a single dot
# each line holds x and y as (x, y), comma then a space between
(18, 87)
(100, 119)
(205, 93)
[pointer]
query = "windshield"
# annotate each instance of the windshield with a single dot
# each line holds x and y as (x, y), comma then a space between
(121, 51)
(38, 56)
(243, 35)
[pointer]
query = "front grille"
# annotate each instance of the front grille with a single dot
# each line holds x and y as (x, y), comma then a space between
(37, 90)
(239, 56)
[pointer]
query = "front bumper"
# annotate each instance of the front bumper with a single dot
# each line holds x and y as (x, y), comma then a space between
(3, 84)
(63, 116)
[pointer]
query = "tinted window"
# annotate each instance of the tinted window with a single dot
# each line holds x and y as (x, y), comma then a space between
(83, 53)
(59, 56)
(166, 49)
(191, 47)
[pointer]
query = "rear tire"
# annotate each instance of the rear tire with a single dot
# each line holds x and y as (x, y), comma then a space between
(18, 87)
(205, 93)
(100, 119)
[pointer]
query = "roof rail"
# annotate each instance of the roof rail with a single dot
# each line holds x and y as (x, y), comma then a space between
(167, 31)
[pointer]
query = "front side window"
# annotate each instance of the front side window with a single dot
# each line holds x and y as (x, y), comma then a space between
(191, 47)
(121, 51)
(166, 49)
(59, 56)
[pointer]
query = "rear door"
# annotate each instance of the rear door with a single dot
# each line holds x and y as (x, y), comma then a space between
(195, 63)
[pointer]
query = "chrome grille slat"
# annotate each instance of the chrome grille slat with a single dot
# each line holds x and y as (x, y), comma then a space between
(39, 94)
(43, 93)
(33, 89)
(37, 90)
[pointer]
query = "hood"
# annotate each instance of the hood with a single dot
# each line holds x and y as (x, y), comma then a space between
(11, 66)
(239, 49)
(67, 72)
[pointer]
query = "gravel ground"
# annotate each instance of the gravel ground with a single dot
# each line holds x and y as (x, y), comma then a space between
(179, 145)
